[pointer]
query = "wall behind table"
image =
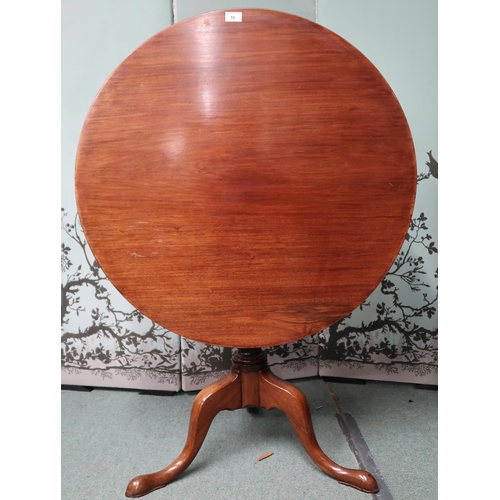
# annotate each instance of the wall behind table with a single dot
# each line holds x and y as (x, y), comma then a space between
(104, 340)
(393, 336)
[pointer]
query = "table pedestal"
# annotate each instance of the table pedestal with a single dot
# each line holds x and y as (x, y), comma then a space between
(250, 383)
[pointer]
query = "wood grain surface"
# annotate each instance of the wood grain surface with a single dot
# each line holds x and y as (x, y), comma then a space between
(245, 184)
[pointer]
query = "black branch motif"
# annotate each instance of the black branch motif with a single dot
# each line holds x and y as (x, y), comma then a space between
(433, 168)
(432, 164)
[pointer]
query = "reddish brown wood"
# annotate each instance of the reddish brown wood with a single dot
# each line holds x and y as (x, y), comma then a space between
(225, 394)
(276, 393)
(245, 184)
(250, 383)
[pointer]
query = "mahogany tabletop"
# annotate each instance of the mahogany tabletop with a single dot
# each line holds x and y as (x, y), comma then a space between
(247, 183)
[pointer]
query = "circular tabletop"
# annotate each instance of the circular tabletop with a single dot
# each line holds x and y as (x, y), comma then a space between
(247, 183)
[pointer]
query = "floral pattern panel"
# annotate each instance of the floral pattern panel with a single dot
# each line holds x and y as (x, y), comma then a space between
(105, 341)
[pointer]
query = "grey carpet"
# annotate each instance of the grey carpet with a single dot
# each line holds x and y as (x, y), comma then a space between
(110, 436)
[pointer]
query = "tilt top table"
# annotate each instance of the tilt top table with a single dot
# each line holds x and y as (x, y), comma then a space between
(246, 180)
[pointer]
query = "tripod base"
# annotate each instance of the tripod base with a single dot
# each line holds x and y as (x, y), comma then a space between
(250, 383)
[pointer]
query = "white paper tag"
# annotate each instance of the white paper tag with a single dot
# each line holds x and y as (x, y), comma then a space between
(233, 17)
